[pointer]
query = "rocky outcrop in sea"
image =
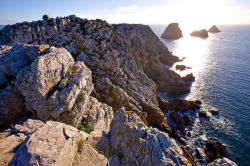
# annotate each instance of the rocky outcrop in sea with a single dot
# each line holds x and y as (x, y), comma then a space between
(214, 29)
(84, 92)
(200, 33)
(172, 32)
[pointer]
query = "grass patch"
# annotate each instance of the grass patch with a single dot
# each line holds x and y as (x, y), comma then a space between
(85, 127)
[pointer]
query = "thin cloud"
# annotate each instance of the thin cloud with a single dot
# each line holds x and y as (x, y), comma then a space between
(127, 8)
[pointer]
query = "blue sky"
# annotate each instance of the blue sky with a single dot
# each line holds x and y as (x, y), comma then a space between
(130, 11)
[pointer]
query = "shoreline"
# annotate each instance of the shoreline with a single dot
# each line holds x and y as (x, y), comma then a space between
(126, 62)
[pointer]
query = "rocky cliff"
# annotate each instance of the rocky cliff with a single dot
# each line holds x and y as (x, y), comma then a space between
(84, 92)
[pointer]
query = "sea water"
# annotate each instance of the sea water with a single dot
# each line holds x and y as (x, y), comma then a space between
(221, 66)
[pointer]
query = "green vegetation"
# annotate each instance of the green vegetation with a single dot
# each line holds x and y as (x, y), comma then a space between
(85, 127)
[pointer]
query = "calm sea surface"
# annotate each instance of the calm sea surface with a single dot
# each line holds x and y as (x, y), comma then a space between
(221, 65)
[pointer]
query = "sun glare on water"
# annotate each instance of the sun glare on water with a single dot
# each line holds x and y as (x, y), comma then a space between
(194, 50)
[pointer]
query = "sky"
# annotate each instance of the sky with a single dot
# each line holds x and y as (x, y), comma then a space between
(189, 12)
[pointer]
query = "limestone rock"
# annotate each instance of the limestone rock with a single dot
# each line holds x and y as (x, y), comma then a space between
(181, 105)
(214, 29)
(200, 33)
(42, 85)
(141, 145)
(126, 60)
(89, 157)
(11, 139)
(98, 116)
(14, 60)
(172, 32)
(64, 143)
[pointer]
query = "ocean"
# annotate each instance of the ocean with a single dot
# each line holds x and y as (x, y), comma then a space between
(221, 65)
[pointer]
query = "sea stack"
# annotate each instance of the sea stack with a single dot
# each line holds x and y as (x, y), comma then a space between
(200, 33)
(172, 32)
(214, 29)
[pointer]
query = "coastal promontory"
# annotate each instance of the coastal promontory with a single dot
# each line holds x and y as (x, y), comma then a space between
(82, 92)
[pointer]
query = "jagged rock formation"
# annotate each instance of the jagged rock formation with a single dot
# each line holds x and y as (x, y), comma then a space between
(172, 32)
(200, 33)
(141, 145)
(118, 72)
(214, 29)
(50, 143)
(48, 82)
(127, 66)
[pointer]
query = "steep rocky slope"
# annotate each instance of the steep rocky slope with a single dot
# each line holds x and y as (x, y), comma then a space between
(72, 74)
(121, 69)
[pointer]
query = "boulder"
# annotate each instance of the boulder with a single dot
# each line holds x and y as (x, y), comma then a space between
(215, 150)
(138, 144)
(205, 114)
(18, 57)
(188, 78)
(60, 87)
(181, 105)
(98, 116)
(200, 33)
(65, 144)
(214, 29)
(90, 157)
(12, 138)
(172, 32)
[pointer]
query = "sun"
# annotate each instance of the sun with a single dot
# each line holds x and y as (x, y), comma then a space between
(199, 14)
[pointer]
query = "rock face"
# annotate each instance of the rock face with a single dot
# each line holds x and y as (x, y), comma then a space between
(150, 54)
(127, 70)
(57, 84)
(172, 32)
(29, 144)
(11, 139)
(215, 150)
(200, 33)
(214, 29)
(98, 115)
(48, 82)
(141, 145)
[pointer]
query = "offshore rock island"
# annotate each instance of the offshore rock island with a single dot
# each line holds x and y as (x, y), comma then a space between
(84, 92)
